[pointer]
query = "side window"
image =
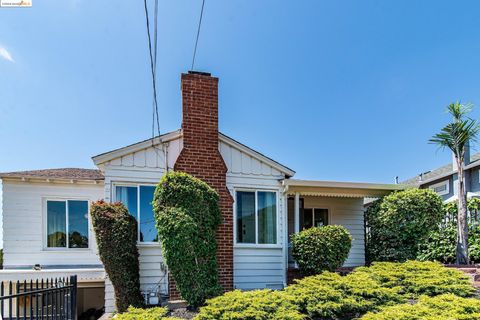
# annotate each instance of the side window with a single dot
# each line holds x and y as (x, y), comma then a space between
(67, 224)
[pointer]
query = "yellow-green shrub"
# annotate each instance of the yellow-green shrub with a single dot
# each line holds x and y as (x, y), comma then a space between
(250, 305)
(332, 296)
(145, 314)
(414, 278)
(443, 307)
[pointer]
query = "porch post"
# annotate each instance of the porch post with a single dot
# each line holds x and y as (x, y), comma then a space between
(297, 212)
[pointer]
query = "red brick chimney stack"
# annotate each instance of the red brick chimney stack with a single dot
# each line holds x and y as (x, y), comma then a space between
(201, 158)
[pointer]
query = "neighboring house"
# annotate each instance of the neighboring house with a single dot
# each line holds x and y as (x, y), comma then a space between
(46, 221)
(443, 180)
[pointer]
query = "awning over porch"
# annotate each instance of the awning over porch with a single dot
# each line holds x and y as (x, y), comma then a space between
(298, 189)
(338, 189)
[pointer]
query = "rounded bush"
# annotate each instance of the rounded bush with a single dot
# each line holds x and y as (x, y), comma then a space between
(399, 222)
(187, 217)
(156, 313)
(116, 234)
(255, 305)
(446, 306)
(321, 248)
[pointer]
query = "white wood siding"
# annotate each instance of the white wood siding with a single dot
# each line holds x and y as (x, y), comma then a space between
(145, 166)
(256, 266)
(23, 224)
(347, 212)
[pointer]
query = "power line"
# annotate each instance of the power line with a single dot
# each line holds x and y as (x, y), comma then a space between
(198, 34)
(153, 63)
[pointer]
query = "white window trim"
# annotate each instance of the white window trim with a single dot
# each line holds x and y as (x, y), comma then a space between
(136, 185)
(313, 214)
(277, 219)
(45, 224)
(436, 185)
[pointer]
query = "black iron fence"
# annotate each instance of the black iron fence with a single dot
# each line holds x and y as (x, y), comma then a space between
(41, 299)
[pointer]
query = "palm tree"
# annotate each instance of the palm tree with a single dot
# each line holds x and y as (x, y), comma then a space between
(456, 136)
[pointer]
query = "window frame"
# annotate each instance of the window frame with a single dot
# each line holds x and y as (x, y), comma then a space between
(329, 211)
(136, 185)
(277, 219)
(45, 223)
(436, 185)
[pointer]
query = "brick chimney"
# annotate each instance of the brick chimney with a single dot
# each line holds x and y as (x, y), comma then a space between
(201, 158)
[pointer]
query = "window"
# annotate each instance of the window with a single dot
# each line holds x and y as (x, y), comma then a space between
(67, 224)
(441, 188)
(256, 215)
(138, 200)
(314, 217)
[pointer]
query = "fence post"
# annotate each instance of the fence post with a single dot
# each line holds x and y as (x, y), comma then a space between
(73, 297)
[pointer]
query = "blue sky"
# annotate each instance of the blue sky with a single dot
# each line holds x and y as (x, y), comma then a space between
(336, 90)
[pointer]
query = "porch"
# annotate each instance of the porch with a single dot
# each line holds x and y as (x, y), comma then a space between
(317, 203)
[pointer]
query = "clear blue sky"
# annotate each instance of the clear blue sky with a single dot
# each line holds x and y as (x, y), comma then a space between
(336, 90)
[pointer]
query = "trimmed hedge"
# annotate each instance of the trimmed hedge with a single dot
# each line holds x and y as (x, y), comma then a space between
(331, 296)
(187, 217)
(445, 307)
(399, 222)
(254, 305)
(321, 248)
(116, 234)
(145, 314)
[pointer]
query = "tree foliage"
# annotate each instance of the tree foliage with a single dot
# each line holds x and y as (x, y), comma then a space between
(187, 217)
(321, 248)
(399, 222)
(116, 234)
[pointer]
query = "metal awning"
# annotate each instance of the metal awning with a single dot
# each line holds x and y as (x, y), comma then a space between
(338, 189)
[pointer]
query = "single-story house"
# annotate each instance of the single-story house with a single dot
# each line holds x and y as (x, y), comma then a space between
(47, 229)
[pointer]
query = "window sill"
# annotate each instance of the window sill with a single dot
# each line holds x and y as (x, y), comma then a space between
(148, 244)
(256, 246)
(67, 249)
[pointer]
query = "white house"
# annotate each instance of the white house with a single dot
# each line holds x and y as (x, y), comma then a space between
(46, 225)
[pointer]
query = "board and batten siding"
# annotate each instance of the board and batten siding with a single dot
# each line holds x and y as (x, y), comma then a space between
(256, 266)
(24, 227)
(145, 166)
(347, 212)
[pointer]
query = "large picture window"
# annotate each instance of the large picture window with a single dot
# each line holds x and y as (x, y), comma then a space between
(138, 200)
(67, 224)
(256, 217)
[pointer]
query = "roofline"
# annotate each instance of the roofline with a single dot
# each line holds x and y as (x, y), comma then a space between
(467, 167)
(107, 156)
(52, 180)
(346, 185)
(116, 153)
(253, 153)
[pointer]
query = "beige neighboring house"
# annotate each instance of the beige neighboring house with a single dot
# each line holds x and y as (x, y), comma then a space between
(47, 227)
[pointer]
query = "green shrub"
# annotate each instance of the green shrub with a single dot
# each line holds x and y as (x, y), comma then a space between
(321, 248)
(250, 305)
(187, 215)
(399, 222)
(414, 278)
(145, 314)
(443, 307)
(116, 234)
(442, 242)
(332, 296)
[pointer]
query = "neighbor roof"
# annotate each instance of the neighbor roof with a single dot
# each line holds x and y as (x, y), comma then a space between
(440, 172)
(61, 173)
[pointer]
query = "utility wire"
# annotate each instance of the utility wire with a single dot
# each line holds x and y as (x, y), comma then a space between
(153, 63)
(198, 34)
